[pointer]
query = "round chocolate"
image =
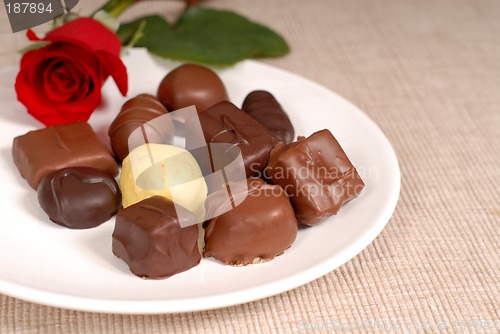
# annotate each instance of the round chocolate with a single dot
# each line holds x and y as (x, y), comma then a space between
(191, 84)
(134, 113)
(262, 106)
(79, 197)
(165, 170)
(261, 227)
(149, 237)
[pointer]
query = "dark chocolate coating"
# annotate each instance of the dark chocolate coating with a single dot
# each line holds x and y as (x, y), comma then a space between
(149, 238)
(191, 84)
(262, 106)
(316, 174)
(40, 152)
(258, 229)
(134, 113)
(225, 123)
(79, 197)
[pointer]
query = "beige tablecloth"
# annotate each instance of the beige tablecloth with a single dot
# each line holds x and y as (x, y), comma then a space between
(428, 73)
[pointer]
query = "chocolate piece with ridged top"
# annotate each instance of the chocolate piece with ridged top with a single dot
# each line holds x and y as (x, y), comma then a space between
(135, 113)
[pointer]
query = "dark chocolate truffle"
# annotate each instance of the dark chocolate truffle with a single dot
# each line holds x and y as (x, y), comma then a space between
(261, 227)
(262, 106)
(135, 113)
(191, 84)
(226, 123)
(40, 152)
(149, 238)
(316, 174)
(79, 197)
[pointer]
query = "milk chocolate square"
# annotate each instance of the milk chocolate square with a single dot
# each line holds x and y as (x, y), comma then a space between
(226, 123)
(40, 152)
(316, 174)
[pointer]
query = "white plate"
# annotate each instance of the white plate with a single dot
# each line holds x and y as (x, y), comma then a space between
(44, 263)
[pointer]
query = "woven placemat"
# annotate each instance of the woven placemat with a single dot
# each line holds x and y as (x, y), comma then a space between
(428, 73)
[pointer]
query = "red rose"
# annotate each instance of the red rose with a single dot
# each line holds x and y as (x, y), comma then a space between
(61, 82)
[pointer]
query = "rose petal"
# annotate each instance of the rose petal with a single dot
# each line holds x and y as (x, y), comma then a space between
(32, 36)
(73, 58)
(65, 77)
(116, 69)
(26, 88)
(62, 80)
(88, 33)
(47, 104)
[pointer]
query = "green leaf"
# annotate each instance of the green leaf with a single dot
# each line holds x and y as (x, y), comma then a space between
(206, 36)
(155, 30)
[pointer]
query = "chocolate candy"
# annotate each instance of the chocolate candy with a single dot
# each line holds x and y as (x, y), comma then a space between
(79, 197)
(135, 113)
(40, 152)
(261, 227)
(149, 238)
(316, 174)
(225, 123)
(262, 106)
(165, 170)
(191, 84)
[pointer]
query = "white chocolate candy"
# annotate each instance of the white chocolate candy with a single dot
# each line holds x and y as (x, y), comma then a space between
(165, 170)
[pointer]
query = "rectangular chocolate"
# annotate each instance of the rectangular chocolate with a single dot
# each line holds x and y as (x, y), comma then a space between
(316, 174)
(40, 152)
(225, 123)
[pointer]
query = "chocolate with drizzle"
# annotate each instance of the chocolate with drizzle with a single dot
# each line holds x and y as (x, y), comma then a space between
(225, 123)
(79, 197)
(135, 113)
